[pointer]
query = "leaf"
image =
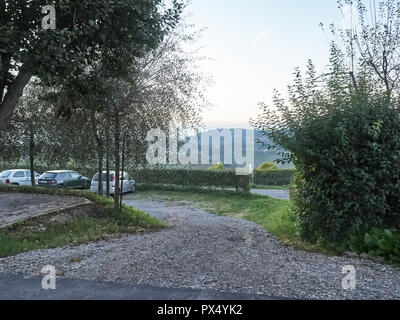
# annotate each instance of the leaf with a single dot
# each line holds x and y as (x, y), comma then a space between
(354, 247)
(388, 234)
(384, 245)
(369, 241)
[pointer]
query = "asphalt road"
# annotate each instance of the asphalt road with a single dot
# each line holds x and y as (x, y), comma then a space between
(14, 287)
(277, 194)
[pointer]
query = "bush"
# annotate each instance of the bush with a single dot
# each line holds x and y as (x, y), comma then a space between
(265, 166)
(187, 177)
(273, 177)
(217, 167)
(348, 172)
(378, 243)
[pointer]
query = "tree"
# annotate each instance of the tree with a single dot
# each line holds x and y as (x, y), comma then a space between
(87, 32)
(217, 167)
(28, 130)
(369, 43)
(158, 88)
(265, 166)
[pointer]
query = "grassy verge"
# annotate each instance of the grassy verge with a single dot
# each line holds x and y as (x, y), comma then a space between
(92, 223)
(273, 214)
(183, 188)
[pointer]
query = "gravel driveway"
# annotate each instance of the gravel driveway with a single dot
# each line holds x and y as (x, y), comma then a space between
(206, 251)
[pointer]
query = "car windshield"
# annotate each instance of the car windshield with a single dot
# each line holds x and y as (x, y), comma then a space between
(104, 177)
(5, 174)
(48, 175)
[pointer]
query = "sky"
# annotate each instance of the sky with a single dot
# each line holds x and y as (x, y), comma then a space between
(254, 46)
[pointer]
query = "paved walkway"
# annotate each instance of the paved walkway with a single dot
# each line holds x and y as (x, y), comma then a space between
(277, 194)
(16, 207)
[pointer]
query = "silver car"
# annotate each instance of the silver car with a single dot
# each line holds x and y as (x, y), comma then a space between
(17, 177)
(127, 182)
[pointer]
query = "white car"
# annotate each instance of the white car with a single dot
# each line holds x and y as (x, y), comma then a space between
(17, 177)
(128, 183)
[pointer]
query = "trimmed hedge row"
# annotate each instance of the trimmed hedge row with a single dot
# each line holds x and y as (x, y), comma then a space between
(183, 177)
(188, 177)
(273, 177)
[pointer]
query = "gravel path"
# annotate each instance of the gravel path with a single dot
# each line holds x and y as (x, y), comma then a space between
(205, 251)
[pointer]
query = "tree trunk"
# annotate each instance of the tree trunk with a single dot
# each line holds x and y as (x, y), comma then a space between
(99, 151)
(12, 96)
(5, 61)
(32, 154)
(100, 157)
(108, 153)
(123, 168)
(117, 155)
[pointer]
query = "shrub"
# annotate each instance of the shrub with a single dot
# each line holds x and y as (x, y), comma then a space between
(217, 167)
(265, 166)
(348, 173)
(378, 243)
(187, 177)
(273, 177)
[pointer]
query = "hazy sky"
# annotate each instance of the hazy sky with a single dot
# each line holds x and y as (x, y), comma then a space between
(256, 45)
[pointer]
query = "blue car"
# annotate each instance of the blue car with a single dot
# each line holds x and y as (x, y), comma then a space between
(63, 179)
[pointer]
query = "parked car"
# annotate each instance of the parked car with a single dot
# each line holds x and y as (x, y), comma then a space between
(128, 184)
(63, 179)
(18, 177)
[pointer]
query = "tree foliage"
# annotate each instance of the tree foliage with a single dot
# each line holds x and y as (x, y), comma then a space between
(88, 32)
(265, 166)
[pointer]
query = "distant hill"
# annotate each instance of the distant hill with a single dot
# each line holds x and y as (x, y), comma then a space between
(261, 153)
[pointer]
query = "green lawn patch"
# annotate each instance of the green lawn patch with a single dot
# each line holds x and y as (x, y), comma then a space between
(90, 223)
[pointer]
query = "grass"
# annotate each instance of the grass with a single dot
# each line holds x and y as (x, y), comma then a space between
(96, 222)
(273, 214)
(182, 188)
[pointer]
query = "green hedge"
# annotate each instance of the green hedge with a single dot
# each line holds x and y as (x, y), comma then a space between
(273, 177)
(188, 177)
(183, 177)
